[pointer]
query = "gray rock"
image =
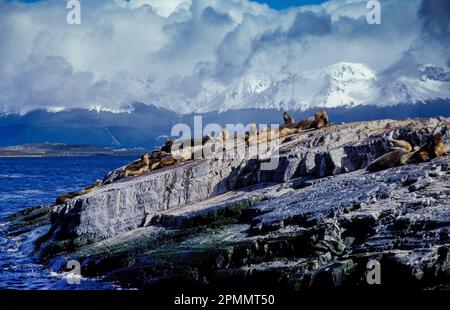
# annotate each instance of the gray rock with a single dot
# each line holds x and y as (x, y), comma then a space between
(314, 222)
(127, 204)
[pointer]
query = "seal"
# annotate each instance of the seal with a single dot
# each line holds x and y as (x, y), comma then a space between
(287, 118)
(284, 132)
(167, 161)
(138, 167)
(319, 120)
(388, 160)
(62, 199)
(168, 146)
(433, 149)
(402, 144)
(404, 154)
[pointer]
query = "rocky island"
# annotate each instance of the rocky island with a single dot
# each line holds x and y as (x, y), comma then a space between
(313, 222)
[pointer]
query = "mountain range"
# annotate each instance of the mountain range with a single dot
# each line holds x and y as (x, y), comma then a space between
(349, 91)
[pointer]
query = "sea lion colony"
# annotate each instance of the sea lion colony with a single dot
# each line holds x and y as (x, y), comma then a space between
(401, 153)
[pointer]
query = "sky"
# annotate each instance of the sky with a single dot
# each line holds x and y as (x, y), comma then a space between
(182, 53)
(276, 4)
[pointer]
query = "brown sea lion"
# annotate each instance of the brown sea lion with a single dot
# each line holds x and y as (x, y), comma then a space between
(62, 199)
(447, 149)
(168, 161)
(168, 146)
(404, 154)
(155, 154)
(287, 118)
(438, 146)
(138, 167)
(304, 124)
(284, 132)
(402, 144)
(320, 120)
(155, 165)
(435, 148)
(388, 160)
(206, 139)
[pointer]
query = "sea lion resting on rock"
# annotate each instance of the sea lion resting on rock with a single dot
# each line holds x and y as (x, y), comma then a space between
(168, 146)
(284, 132)
(319, 120)
(138, 167)
(62, 199)
(403, 155)
(389, 160)
(434, 149)
(287, 118)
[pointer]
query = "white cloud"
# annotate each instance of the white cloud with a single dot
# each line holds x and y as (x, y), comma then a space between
(182, 53)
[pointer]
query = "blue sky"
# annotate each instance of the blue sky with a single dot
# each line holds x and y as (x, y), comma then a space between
(276, 4)
(283, 4)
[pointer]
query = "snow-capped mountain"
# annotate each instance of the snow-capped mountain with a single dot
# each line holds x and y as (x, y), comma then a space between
(338, 85)
(425, 83)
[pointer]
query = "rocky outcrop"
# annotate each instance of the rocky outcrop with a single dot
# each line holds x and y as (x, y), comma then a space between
(131, 203)
(314, 221)
(297, 235)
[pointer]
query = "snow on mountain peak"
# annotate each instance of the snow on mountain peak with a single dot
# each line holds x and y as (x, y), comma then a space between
(341, 84)
(435, 73)
(344, 71)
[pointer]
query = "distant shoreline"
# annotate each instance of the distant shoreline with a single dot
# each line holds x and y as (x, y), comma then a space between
(39, 150)
(72, 155)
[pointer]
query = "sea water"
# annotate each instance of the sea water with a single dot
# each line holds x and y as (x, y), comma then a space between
(27, 182)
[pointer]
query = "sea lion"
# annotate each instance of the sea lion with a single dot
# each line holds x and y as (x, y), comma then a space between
(152, 162)
(438, 145)
(284, 132)
(287, 118)
(320, 120)
(62, 199)
(155, 154)
(138, 167)
(447, 149)
(433, 149)
(206, 139)
(167, 161)
(155, 165)
(168, 146)
(388, 160)
(403, 154)
(163, 154)
(304, 124)
(402, 144)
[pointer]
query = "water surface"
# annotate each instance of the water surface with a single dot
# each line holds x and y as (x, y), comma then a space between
(27, 182)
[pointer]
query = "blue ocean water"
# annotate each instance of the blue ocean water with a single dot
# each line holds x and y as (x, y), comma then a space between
(27, 182)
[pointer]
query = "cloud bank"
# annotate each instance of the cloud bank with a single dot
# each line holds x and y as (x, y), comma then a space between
(182, 54)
